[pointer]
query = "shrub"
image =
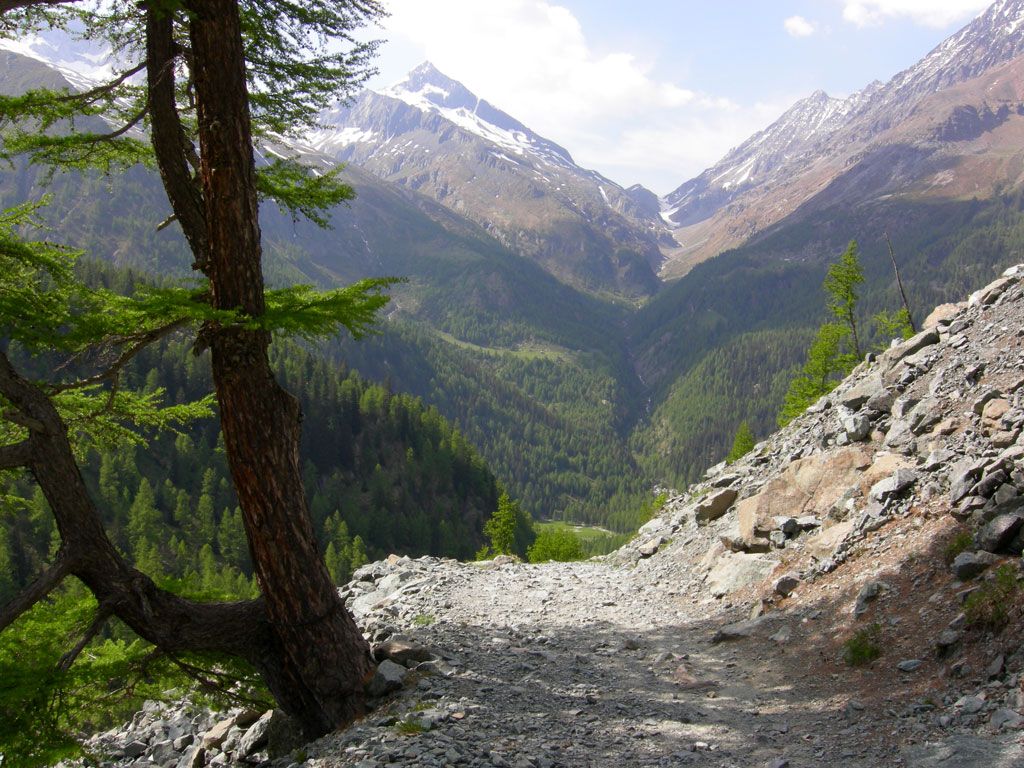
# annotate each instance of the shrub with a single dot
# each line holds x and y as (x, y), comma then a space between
(988, 607)
(863, 647)
(962, 542)
(556, 543)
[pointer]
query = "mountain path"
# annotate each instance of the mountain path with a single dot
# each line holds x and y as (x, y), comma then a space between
(595, 664)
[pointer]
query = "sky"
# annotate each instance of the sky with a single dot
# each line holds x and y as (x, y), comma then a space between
(655, 91)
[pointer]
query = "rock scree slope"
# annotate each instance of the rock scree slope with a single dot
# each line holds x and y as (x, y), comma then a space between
(875, 525)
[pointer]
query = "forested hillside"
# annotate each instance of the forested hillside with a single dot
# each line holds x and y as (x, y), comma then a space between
(749, 314)
(383, 473)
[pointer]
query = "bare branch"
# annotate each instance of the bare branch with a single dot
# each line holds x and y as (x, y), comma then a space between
(102, 614)
(899, 283)
(216, 682)
(102, 90)
(16, 455)
(138, 342)
(134, 121)
(166, 222)
(40, 588)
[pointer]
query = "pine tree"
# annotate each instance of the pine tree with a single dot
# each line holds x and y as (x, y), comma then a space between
(305, 644)
(841, 283)
(742, 444)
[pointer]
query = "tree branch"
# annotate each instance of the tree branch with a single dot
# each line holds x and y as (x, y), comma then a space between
(16, 455)
(48, 581)
(140, 342)
(13, 5)
(171, 145)
(102, 614)
(102, 90)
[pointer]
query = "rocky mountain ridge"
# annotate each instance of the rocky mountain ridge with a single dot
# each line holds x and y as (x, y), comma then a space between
(884, 519)
(822, 142)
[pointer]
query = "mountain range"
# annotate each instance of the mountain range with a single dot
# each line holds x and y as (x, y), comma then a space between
(592, 339)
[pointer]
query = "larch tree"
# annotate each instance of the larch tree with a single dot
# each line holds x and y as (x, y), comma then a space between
(199, 82)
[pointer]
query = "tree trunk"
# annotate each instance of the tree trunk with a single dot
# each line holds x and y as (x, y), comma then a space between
(326, 661)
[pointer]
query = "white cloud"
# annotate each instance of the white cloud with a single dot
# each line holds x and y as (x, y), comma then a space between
(532, 59)
(932, 13)
(798, 26)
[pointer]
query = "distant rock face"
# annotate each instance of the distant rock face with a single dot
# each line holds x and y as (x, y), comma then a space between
(884, 139)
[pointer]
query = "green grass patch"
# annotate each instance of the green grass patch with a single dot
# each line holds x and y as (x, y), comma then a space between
(424, 619)
(863, 646)
(409, 727)
(962, 542)
(592, 540)
(988, 607)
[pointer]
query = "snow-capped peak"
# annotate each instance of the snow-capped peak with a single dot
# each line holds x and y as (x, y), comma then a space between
(431, 91)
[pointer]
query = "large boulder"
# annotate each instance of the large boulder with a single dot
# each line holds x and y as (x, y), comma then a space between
(714, 505)
(808, 487)
(735, 571)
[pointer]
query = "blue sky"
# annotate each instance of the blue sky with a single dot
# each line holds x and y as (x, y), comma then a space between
(654, 91)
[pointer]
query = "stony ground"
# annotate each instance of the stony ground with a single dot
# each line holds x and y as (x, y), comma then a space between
(717, 637)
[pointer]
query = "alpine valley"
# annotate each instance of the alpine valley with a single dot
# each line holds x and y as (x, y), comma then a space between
(592, 341)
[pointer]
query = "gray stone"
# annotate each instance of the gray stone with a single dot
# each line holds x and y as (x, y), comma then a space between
(962, 477)
(909, 665)
(650, 547)
(987, 296)
(808, 522)
(741, 630)
(733, 571)
(857, 426)
(970, 705)
(1005, 718)
(785, 585)
(135, 748)
(788, 525)
(868, 594)
(989, 483)
(925, 415)
(184, 741)
(255, 738)
(899, 437)
(162, 752)
(913, 344)
(778, 539)
(996, 667)
(967, 565)
(192, 757)
(936, 460)
(388, 677)
(997, 535)
(284, 735)
(947, 640)
(894, 485)
(714, 505)
(869, 386)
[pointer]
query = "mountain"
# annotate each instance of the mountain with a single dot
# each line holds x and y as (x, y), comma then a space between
(534, 372)
(431, 134)
(881, 140)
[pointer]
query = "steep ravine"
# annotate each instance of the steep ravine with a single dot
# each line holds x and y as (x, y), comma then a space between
(716, 637)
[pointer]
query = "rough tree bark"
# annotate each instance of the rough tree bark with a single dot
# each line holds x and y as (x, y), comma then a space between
(299, 635)
(325, 655)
